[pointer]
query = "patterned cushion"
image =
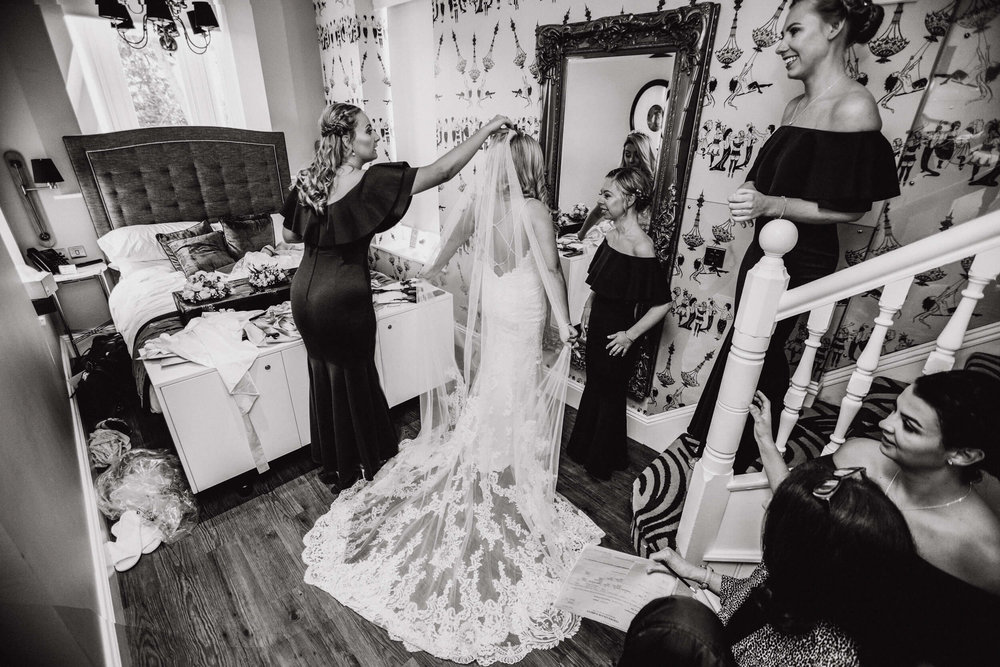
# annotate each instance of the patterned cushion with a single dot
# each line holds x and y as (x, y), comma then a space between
(206, 252)
(245, 235)
(165, 240)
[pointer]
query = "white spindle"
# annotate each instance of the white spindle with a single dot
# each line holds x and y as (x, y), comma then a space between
(984, 269)
(893, 296)
(798, 389)
(707, 493)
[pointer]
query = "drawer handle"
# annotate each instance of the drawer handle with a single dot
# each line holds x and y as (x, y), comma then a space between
(389, 326)
(267, 367)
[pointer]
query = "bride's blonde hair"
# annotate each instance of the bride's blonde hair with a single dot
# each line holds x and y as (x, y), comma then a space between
(316, 180)
(529, 163)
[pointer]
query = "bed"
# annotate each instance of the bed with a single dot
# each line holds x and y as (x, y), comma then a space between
(166, 180)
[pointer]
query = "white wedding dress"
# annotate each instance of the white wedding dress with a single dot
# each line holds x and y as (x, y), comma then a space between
(459, 545)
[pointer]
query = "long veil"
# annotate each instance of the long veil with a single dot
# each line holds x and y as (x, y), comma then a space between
(459, 544)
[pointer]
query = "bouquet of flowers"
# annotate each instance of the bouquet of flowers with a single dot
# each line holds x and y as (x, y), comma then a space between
(575, 216)
(205, 286)
(265, 275)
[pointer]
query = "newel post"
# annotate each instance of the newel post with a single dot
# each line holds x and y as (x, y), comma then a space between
(707, 493)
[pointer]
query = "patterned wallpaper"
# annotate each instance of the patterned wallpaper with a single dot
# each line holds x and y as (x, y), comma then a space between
(484, 65)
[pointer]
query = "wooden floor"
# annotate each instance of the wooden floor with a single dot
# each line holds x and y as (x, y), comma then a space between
(231, 592)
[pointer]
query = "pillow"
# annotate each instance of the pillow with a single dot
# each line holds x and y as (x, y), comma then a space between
(127, 267)
(137, 243)
(165, 240)
(249, 234)
(205, 252)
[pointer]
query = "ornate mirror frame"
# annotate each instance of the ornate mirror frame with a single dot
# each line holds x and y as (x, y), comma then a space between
(688, 33)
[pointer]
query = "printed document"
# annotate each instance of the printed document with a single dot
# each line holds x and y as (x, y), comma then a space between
(611, 587)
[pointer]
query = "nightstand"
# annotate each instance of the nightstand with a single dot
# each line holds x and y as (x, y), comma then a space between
(97, 270)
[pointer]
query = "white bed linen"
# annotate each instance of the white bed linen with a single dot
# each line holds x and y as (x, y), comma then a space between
(142, 295)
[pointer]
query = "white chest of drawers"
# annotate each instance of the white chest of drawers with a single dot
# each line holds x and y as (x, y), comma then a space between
(207, 427)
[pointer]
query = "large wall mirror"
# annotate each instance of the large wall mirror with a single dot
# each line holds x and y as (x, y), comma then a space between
(602, 79)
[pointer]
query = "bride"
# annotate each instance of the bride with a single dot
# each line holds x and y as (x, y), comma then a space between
(459, 544)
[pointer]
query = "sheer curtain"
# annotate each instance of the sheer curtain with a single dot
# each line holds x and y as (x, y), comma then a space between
(149, 86)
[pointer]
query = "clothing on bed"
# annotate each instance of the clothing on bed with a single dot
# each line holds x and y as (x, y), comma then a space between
(332, 305)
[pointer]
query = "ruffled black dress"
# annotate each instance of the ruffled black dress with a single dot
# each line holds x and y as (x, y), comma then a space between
(840, 171)
(624, 288)
(349, 418)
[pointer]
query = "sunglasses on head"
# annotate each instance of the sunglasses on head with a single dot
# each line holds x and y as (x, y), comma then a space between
(825, 489)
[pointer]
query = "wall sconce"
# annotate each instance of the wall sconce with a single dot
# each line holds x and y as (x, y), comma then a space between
(43, 171)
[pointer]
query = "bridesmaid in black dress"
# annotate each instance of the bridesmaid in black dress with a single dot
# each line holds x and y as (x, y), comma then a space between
(336, 208)
(826, 164)
(629, 295)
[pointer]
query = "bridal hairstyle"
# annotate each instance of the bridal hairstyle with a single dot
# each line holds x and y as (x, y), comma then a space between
(641, 144)
(829, 558)
(966, 404)
(315, 181)
(635, 182)
(529, 163)
(862, 17)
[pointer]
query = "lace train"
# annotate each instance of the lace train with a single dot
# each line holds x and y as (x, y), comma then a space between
(459, 545)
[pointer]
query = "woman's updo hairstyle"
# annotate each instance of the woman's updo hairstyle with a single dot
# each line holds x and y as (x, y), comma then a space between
(635, 182)
(316, 180)
(861, 18)
(967, 405)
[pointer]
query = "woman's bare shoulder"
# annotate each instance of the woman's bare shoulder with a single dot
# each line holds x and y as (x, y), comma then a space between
(858, 452)
(642, 246)
(856, 111)
(537, 211)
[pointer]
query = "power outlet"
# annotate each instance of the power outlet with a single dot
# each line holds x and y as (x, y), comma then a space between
(77, 251)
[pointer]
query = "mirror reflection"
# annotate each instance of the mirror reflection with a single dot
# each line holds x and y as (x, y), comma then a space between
(615, 109)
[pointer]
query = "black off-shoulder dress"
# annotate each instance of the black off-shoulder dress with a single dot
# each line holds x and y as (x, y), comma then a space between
(840, 171)
(624, 288)
(349, 418)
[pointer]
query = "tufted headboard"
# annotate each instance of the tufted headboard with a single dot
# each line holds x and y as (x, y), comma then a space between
(173, 174)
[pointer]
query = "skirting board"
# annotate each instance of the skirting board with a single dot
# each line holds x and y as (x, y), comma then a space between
(654, 431)
(907, 364)
(105, 578)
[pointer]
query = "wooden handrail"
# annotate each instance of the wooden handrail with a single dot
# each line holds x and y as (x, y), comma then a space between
(957, 243)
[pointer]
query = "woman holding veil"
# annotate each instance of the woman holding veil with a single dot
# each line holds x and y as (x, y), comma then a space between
(459, 544)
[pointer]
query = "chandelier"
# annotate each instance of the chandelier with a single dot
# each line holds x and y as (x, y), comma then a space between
(165, 18)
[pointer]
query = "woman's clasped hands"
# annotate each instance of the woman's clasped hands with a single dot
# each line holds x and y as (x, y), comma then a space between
(747, 204)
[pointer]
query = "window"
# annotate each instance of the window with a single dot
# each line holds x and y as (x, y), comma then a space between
(121, 88)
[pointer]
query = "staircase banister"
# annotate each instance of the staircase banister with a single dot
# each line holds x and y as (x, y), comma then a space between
(952, 245)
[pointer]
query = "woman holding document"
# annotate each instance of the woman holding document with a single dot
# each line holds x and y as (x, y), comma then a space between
(832, 546)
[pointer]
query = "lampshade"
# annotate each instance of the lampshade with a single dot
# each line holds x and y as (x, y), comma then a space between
(203, 17)
(44, 171)
(124, 21)
(157, 10)
(108, 9)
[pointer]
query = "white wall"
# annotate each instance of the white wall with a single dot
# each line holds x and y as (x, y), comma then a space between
(48, 594)
(598, 98)
(410, 38)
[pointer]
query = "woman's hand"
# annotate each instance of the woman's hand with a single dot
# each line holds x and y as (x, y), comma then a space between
(568, 334)
(673, 563)
(747, 203)
(620, 343)
(498, 122)
(760, 410)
